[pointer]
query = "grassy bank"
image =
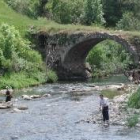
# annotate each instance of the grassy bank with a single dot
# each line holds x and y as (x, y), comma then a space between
(20, 65)
(24, 79)
(111, 93)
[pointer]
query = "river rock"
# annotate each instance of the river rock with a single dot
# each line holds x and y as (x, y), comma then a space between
(119, 99)
(115, 108)
(35, 96)
(14, 137)
(22, 107)
(16, 110)
(6, 105)
(3, 91)
(91, 85)
(3, 107)
(26, 97)
(9, 104)
(137, 111)
(46, 95)
(113, 87)
(138, 125)
(110, 87)
(97, 88)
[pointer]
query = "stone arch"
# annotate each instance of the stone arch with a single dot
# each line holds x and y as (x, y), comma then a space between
(74, 57)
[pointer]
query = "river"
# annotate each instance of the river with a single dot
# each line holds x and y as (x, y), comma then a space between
(59, 116)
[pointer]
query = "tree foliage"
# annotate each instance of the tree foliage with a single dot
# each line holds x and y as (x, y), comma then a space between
(128, 22)
(15, 52)
(76, 11)
(109, 13)
(93, 12)
(112, 11)
(65, 11)
(130, 16)
(108, 57)
(20, 66)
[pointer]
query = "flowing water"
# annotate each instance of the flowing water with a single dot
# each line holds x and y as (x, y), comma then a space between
(59, 117)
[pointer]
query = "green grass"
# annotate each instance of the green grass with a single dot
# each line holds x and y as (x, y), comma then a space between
(22, 80)
(7, 15)
(51, 76)
(111, 93)
(22, 22)
(134, 100)
(132, 121)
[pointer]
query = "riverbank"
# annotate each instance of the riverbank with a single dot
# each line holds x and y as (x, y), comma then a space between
(120, 113)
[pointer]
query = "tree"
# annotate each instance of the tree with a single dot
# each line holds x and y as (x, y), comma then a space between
(112, 11)
(130, 19)
(65, 11)
(93, 12)
(128, 22)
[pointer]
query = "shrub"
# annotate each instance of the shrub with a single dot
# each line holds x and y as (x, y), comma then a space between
(93, 12)
(128, 22)
(132, 121)
(15, 52)
(21, 66)
(21, 80)
(65, 11)
(134, 100)
(51, 76)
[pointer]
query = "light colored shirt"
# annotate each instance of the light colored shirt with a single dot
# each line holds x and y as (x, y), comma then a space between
(104, 102)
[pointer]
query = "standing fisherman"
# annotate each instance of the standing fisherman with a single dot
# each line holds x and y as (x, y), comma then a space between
(104, 108)
(8, 96)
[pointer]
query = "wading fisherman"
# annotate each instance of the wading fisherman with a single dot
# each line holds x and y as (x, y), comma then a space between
(8, 96)
(104, 108)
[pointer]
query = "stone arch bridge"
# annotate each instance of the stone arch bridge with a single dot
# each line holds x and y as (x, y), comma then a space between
(66, 52)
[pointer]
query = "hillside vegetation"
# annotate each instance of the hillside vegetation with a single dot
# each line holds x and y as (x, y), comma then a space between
(22, 66)
(22, 22)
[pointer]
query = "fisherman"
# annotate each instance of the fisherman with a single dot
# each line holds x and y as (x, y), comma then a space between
(8, 96)
(104, 108)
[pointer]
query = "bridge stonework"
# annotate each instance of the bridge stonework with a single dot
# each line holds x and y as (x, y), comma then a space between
(66, 52)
